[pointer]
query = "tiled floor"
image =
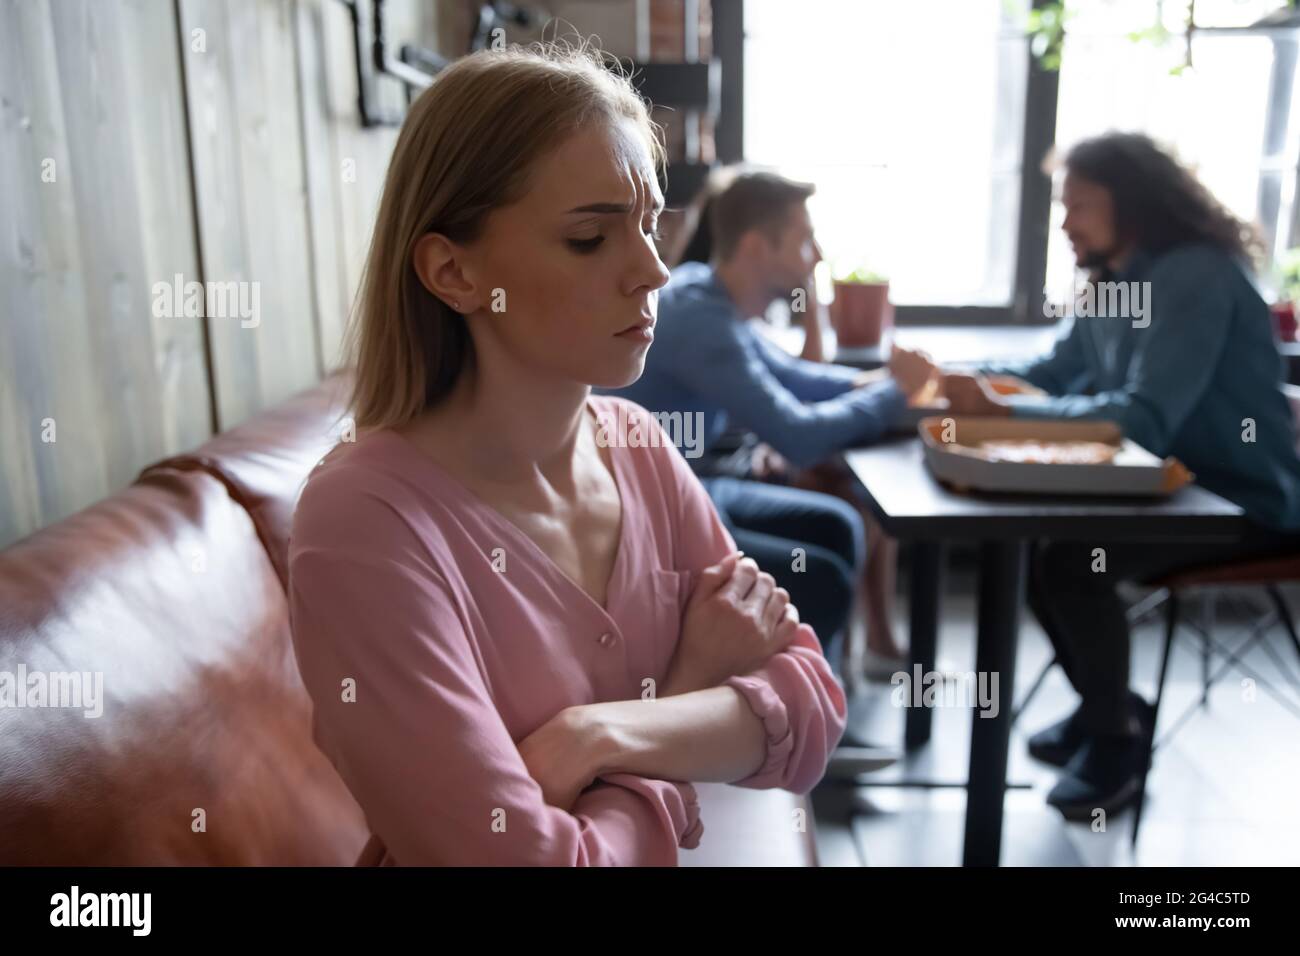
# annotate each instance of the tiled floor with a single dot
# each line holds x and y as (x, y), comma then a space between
(1224, 791)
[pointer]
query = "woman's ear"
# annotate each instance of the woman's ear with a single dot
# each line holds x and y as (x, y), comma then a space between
(436, 261)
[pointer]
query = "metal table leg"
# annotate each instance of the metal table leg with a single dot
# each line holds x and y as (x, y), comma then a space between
(924, 589)
(1001, 594)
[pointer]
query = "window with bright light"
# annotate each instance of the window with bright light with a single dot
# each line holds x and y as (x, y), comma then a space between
(908, 117)
(1126, 66)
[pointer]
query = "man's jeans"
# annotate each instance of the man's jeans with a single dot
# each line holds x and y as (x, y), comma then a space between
(812, 543)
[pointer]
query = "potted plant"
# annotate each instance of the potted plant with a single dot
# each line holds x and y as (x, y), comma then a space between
(861, 310)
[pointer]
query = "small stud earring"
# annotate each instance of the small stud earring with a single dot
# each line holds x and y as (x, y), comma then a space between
(455, 304)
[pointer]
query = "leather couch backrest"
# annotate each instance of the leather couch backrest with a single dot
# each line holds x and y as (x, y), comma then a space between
(264, 463)
(166, 591)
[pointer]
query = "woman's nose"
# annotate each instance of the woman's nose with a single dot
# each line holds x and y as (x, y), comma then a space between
(650, 271)
(661, 275)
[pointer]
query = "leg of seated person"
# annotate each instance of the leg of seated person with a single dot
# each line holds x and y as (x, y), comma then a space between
(1074, 594)
(820, 584)
(797, 513)
(804, 540)
(1077, 603)
(880, 584)
(1086, 621)
(879, 579)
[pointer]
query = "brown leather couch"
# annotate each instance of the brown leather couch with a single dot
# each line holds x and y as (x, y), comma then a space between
(174, 590)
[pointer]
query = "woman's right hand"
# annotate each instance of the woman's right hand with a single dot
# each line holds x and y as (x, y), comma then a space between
(735, 620)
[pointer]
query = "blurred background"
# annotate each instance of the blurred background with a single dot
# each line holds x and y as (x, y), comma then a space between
(149, 144)
(147, 139)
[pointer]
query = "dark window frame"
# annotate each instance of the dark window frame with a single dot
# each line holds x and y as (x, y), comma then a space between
(1033, 221)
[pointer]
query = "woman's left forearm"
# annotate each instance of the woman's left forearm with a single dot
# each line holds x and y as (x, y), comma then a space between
(710, 735)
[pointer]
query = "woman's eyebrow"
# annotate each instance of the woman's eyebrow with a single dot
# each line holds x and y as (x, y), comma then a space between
(612, 207)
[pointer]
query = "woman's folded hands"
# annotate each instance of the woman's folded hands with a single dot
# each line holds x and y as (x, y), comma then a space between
(735, 620)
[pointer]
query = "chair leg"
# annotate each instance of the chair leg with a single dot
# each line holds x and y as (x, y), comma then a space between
(1147, 606)
(1284, 615)
(1033, 688)
(1171, 622)
(1207, 620)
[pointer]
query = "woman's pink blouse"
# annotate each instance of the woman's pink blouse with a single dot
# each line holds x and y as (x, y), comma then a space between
(432, 635)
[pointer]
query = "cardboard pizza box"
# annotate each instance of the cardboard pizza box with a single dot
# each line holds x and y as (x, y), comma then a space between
(953, 453)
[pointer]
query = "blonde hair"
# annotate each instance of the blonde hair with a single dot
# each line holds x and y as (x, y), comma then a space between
(468, 146)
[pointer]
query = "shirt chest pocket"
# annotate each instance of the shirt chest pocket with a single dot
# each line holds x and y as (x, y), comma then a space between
(669, 592)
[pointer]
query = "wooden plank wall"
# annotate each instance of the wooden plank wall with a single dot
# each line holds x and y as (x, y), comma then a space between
(241, 84)
(133, 150)
(96, 205)
(345, 163)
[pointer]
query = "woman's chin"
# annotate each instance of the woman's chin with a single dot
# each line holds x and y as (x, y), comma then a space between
(618, 375)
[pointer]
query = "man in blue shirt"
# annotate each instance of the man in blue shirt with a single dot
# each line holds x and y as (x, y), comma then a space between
(1188, 369)
(709, 360)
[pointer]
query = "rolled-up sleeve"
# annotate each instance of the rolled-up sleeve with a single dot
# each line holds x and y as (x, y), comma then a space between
(795, 694)
(402, 711)
(1063, 370)
(803, 711)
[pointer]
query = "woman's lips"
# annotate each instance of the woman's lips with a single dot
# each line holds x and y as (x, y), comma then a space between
(641, 332)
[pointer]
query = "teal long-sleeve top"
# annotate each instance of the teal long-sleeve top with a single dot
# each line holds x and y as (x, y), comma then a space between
(1198, 376)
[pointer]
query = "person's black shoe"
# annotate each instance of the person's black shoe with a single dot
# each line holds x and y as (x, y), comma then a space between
(1059, 743)
(1105, 773)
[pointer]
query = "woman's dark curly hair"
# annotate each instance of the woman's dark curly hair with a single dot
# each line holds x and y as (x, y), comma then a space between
(1158, 202)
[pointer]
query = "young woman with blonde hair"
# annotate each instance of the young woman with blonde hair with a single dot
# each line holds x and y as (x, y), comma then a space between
(526, 635)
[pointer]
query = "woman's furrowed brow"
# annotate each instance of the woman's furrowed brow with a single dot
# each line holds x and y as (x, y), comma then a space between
(611, 207)
(602, 207)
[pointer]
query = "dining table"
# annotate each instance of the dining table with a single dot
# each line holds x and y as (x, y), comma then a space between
(893, 481)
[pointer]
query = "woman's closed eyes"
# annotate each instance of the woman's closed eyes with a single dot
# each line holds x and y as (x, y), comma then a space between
(589, 245)
(586, 245)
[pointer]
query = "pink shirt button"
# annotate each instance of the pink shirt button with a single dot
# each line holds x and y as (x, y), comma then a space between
(606, 639)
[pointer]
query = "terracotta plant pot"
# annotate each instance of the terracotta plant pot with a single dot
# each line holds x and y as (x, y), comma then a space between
(860, 313)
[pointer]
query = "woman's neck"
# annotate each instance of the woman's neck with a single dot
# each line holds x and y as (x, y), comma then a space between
(504, 424)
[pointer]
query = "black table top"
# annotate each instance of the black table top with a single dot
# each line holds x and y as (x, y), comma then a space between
(911, 504)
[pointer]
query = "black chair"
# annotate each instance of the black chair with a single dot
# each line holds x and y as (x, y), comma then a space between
(1267, 574)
